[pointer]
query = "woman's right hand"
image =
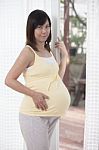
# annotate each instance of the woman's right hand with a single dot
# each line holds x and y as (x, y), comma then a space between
(40, 100)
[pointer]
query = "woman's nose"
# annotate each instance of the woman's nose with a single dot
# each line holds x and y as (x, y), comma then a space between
(44, 30)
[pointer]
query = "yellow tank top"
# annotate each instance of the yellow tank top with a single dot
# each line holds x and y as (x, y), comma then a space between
(43, 77)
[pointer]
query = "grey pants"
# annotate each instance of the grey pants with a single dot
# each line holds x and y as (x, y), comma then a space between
(37, 131)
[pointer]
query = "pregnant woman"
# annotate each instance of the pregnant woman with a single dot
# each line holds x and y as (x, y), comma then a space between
(45, 96)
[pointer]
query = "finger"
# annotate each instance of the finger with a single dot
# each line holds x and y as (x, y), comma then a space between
(56, 43)
(37, 106)
(58, 39)
(45, 97)
(58, 46)
(45, 105)
(42, 106)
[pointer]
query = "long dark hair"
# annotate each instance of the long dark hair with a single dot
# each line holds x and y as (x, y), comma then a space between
(35, 18)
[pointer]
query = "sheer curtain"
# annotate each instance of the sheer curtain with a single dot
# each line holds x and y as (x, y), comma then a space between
(11, 42)
(92, 96)
(13, 16)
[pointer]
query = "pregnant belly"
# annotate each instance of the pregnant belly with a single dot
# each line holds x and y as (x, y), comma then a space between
(59, 97)
(58, 103)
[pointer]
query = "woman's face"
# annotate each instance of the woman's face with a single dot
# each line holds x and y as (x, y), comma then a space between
(42, 32)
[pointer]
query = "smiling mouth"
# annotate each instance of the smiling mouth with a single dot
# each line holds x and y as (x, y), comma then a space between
(44, 36)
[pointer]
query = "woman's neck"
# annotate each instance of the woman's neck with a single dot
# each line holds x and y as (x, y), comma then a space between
(40, 47)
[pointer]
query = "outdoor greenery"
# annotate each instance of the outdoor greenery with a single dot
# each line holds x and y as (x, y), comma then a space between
(77, 33)
(79, 37)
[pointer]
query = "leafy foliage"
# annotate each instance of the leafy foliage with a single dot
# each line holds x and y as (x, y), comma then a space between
(79, 37)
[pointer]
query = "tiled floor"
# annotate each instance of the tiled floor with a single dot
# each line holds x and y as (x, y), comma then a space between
(71, 130)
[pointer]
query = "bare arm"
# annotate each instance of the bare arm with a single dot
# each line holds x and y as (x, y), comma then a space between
(20, 64)
(24, 60)
(64, 58)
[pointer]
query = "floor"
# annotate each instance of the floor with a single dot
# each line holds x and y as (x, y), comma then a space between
(71, 130)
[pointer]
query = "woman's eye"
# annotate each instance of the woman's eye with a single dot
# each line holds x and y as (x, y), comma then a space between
(48, 26)
(39, 27)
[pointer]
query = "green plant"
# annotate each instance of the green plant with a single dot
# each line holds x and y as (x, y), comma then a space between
(77, 38)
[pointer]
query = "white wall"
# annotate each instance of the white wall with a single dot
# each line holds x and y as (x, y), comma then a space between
(13, 15)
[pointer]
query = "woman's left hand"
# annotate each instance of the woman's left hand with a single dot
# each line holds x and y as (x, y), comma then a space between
(61, 46)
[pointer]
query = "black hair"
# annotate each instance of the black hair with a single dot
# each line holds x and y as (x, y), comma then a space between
(35, 18)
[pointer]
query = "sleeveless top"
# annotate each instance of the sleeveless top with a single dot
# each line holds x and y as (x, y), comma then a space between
(43, 77)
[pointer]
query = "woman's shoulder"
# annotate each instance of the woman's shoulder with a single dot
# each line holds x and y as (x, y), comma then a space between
(28, 47)
(28, 51)
(26, 54)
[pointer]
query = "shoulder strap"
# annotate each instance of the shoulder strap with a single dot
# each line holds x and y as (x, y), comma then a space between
(51, 53)
(31, 48)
